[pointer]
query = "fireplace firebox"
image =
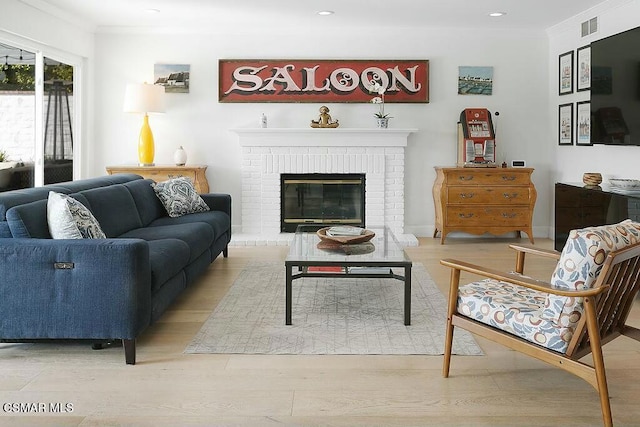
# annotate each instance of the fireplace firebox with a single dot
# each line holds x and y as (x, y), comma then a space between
(321, 199)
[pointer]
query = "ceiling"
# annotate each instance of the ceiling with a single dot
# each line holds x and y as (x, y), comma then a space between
(202, 15)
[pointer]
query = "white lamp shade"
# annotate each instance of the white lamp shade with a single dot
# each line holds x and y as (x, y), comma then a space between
(143, 98)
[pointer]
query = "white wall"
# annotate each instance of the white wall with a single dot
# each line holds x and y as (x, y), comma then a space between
(199, 123)
(614, 16)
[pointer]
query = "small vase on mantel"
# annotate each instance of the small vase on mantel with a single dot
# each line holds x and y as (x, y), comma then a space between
(180, 156)
(383, 122)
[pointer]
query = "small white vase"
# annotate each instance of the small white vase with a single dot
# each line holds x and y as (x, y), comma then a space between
(383, 122)
(180, 156)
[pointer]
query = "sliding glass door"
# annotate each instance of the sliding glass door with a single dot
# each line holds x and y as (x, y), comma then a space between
(58, 121)
(37, 118)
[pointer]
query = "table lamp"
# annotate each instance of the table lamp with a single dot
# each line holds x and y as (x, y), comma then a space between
(144, 98)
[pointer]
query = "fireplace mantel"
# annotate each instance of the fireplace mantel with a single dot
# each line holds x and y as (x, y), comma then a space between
(297, 137)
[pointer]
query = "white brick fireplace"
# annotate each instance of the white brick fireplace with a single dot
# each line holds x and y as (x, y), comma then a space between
(267, 153)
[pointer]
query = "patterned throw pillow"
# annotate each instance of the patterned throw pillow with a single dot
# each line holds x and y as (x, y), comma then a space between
(70, 219)
(179, 197)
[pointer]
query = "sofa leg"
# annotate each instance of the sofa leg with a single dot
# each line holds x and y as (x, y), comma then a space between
(225, 252)
(129, 351)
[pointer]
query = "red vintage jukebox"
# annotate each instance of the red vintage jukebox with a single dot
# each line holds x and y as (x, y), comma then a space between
(476, 139)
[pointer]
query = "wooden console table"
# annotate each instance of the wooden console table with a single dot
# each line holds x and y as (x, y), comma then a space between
(483, 200)
(162, 173)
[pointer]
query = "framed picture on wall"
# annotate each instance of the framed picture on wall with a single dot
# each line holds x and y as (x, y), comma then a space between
(565, 124)
(584, 68)
(565, 73)
(583, 121)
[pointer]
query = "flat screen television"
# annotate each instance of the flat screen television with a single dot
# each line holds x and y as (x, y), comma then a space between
(615, 89)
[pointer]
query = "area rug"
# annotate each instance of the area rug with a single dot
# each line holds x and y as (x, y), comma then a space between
(329, 316)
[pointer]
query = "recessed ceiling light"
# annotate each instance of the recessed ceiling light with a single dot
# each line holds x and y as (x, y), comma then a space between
(497, 14)
(326, 12)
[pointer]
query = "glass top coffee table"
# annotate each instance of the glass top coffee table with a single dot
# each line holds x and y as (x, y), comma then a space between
(373, 259)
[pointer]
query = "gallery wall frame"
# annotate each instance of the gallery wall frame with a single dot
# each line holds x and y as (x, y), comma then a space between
(565, 73)
(583, 123)
(583, 68)
(174, 77)
(565, 124)
(474, 80)
(322, 80)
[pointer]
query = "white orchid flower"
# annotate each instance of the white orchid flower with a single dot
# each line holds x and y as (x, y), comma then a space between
(375, 87)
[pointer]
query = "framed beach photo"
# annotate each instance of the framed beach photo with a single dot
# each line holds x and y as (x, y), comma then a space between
(565, 124)
(583, 122)
(565, 73)
(174, 77)
(583, 68)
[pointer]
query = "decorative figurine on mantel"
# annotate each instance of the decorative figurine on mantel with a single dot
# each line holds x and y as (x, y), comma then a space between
(325, 120)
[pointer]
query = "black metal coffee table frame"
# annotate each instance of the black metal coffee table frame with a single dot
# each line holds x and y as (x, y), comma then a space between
(296, 267)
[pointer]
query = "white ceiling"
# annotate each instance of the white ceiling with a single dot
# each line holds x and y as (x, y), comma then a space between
(199, 15)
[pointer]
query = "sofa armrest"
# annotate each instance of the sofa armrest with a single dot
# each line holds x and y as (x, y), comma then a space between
(85, 288)
(218, 202)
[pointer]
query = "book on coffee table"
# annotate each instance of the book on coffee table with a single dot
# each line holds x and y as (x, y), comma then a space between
(344, 230)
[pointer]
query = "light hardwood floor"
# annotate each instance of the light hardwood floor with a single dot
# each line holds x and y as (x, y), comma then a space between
(169, 388)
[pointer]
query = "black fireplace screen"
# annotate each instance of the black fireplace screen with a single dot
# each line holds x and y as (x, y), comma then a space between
(321, 199)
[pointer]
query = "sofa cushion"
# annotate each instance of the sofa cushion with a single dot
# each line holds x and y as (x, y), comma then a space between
(69, 219)
(198, 236)
(179, 197)
(97, 182)
(219, 221)
(29, 220)
(581, 260)
(148, 205)
(514, 309)
(167, 257)
(114, 208)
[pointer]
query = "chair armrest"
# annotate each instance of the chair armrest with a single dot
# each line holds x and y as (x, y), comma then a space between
(517, 279)
(547, 253)
(522, 250)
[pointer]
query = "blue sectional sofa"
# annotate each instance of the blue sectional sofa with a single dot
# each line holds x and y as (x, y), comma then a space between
(101, 289)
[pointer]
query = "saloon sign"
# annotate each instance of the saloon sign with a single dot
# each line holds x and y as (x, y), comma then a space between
(322, 80)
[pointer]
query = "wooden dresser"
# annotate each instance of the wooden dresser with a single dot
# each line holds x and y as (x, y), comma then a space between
(162, 173)
(484, 200)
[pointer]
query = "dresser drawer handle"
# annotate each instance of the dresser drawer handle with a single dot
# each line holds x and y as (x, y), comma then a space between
(469, 215)
(467, 195)
(510, 196)
(509, 215)
(508, 178)
(466, 178)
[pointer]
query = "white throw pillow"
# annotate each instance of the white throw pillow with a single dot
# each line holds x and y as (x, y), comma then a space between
(70, 219)
(179, 197)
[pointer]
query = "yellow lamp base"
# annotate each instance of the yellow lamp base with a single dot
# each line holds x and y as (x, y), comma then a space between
(146, 147)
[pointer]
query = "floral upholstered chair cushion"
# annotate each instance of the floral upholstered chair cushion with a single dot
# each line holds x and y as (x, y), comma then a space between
(538, 317)
(514, 309)
(581, 260)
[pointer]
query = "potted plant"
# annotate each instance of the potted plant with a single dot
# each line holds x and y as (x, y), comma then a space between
(381, 117)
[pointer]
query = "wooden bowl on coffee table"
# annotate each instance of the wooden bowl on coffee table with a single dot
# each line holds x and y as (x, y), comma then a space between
(346, 240)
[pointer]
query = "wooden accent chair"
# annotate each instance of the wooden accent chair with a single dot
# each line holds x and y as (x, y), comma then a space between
(585, 304)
